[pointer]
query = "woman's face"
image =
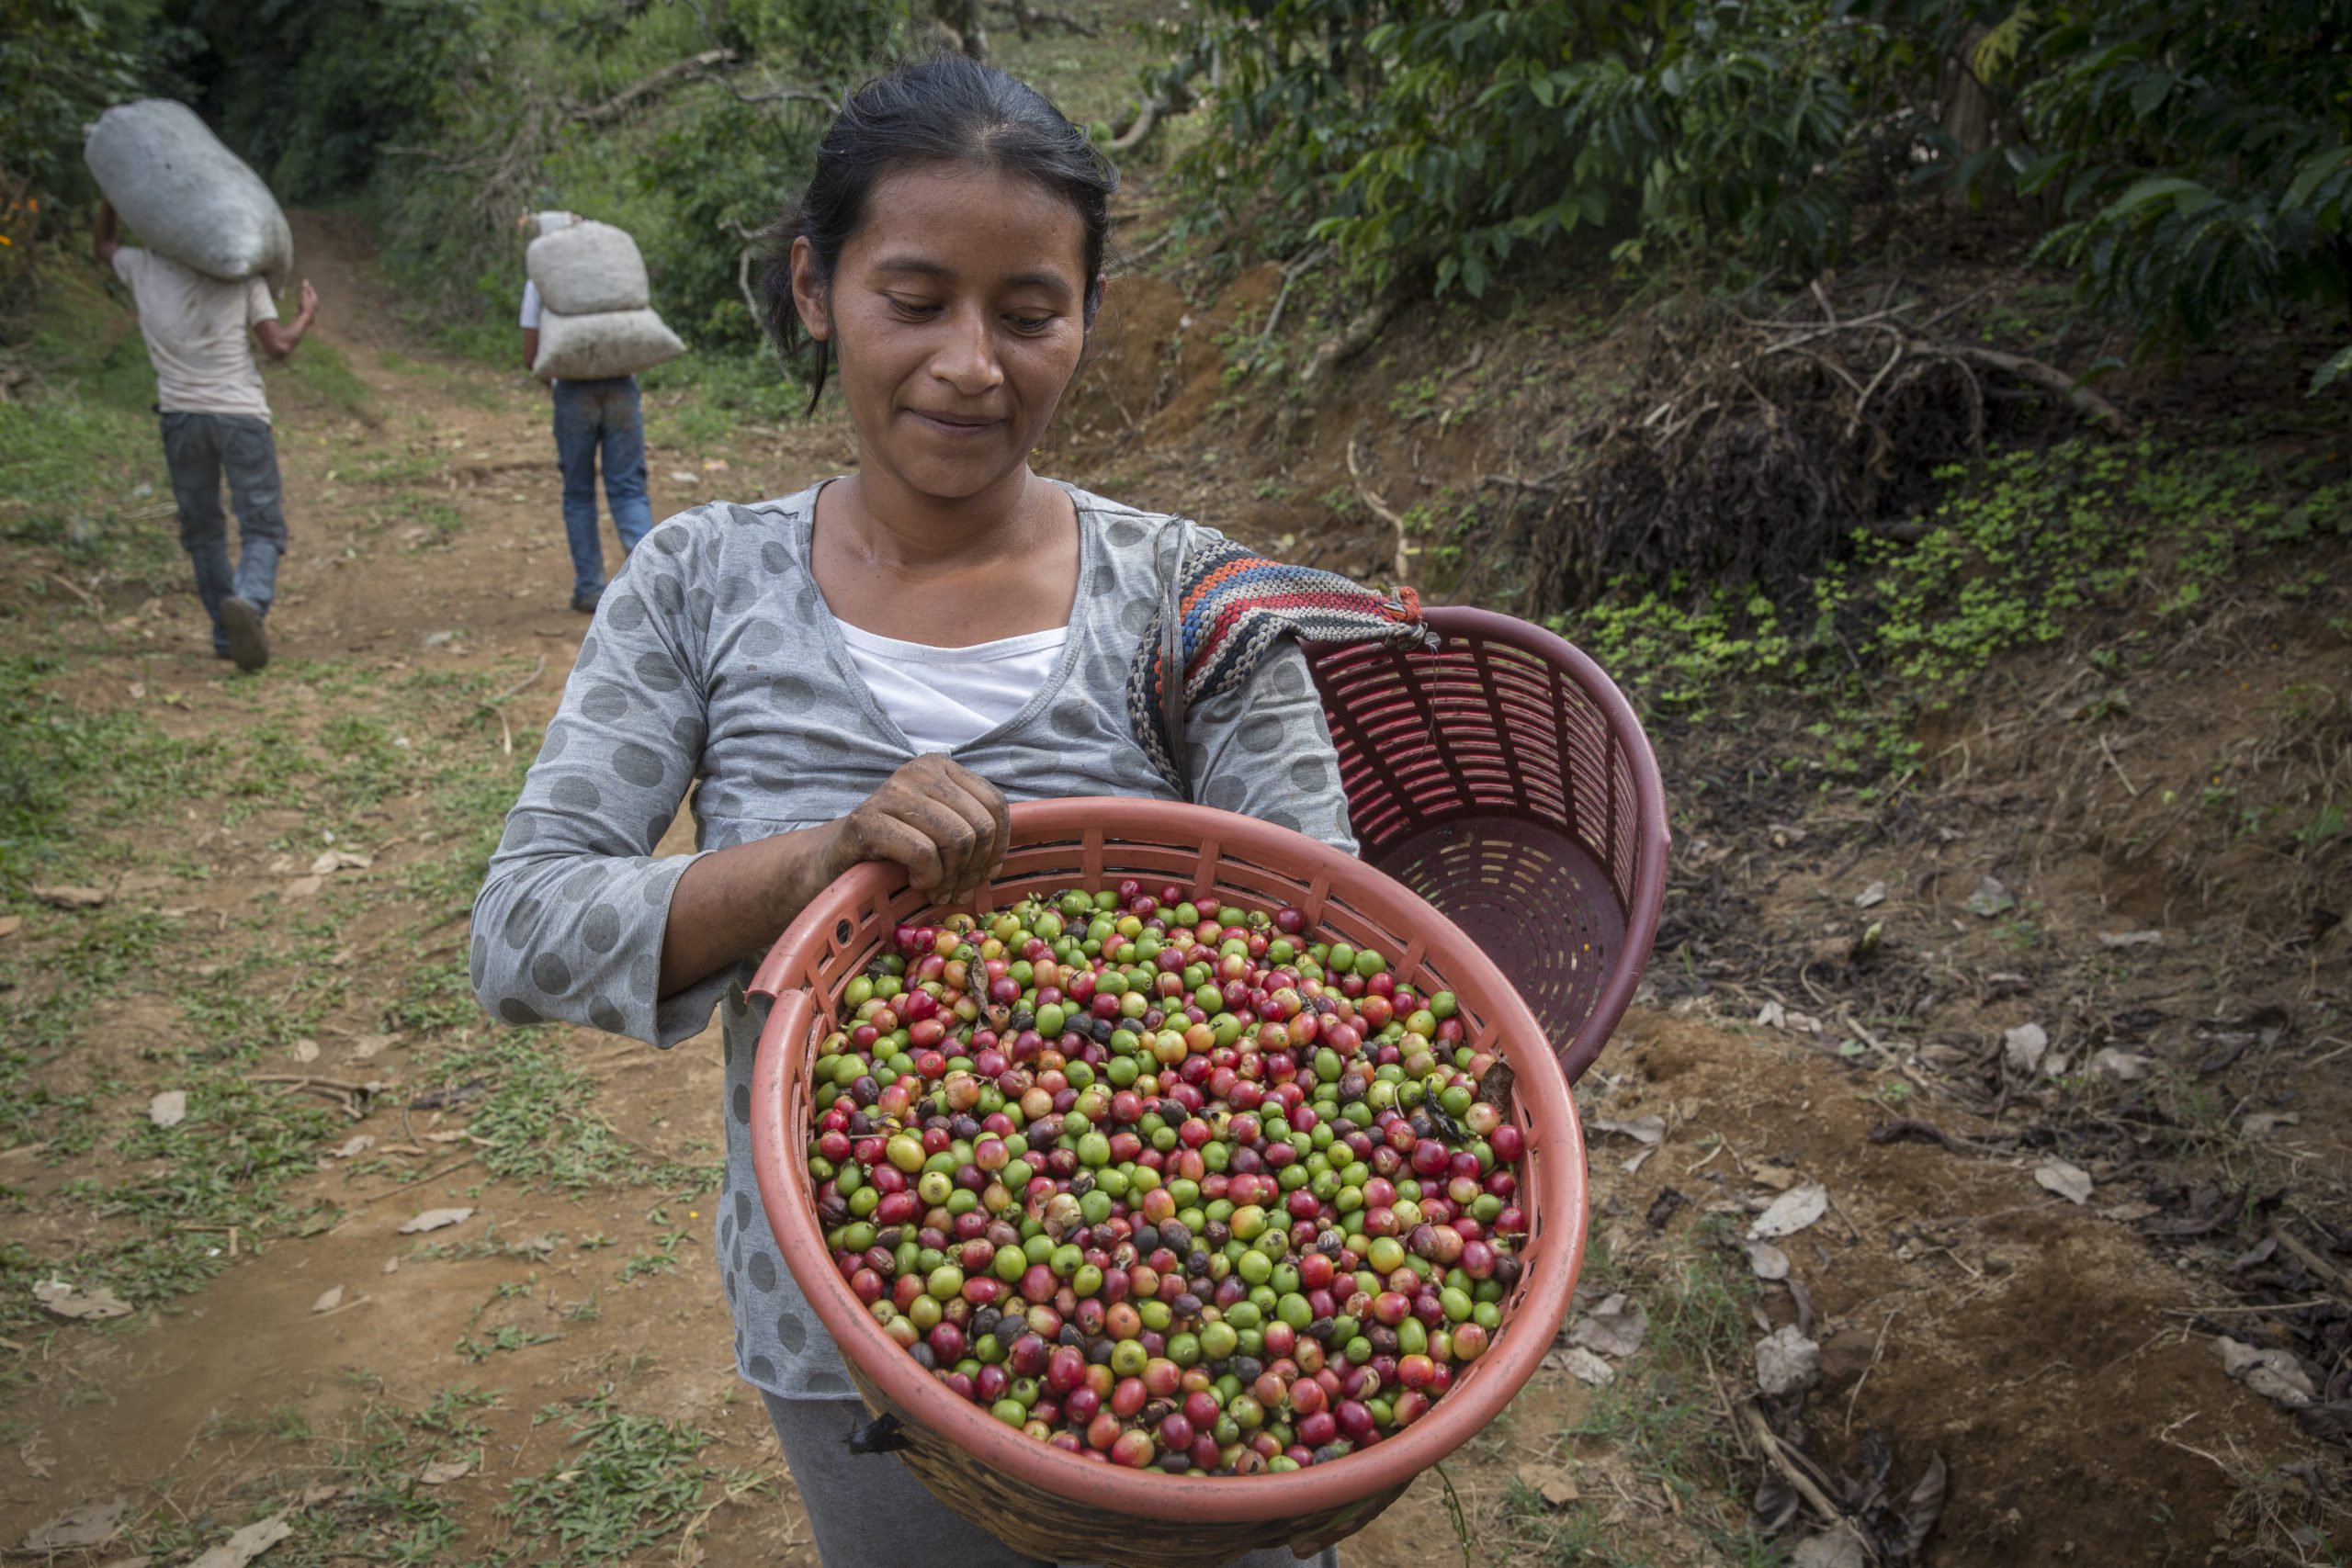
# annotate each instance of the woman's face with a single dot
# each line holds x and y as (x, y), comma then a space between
(957, 318)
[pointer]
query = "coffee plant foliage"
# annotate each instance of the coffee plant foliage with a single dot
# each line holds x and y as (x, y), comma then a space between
(2187, 162)
(2199, 155)
(1434, 138)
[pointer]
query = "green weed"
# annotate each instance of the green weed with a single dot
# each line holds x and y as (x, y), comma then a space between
(2029, 548)
(506, 1337)
(536, 1124)
(628, 1482)
(321, 369)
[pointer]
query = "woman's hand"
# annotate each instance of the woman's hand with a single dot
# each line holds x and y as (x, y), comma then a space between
(944, 823)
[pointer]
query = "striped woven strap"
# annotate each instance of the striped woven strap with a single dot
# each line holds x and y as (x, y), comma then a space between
(1231, 607)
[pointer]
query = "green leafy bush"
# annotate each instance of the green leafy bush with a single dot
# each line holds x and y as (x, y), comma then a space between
(60, 63)
(2200, 155)
(1419, 134)
(2189, 163)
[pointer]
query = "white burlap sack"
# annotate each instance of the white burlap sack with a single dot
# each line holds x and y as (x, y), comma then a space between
(187, 197)
(587, 269)
(610, 343)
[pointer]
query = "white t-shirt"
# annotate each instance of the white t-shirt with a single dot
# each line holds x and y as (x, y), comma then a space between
(198, 332)
(946, 698)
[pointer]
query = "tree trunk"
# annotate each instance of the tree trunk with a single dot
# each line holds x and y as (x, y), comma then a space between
(1967, 103)
(958, 25)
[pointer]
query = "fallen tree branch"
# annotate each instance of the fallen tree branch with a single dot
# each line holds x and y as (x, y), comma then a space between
(743, 283)
(1024, 15)
(1381, 510)
(1548, 485)
(1128, 261)
(1292, 272)
(1356, 336)
(693, 68)
(2056, 382)
(1146, 115)
(2319, 1267)
(1128, 134)
(773, 95)
(311, 1080)
(1767, 1439)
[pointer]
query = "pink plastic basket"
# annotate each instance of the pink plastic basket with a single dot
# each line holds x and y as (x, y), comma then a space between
(1505, 779)
(1056, 1505)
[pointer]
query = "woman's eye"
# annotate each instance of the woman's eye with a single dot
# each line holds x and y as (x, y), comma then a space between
(915, 307)
(1032, 323)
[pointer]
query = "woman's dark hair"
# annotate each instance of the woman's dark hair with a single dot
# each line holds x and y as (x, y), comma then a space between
(946, 109)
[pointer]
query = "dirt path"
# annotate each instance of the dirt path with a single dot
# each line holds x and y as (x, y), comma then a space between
(1964, 1313)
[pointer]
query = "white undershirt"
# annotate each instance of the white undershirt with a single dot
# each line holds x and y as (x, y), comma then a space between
(945, 697)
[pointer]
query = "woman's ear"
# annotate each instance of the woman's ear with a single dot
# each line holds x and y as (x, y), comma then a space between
(809, 292)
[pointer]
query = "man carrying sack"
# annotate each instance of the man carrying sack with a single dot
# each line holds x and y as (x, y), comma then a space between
(216, 420)
(585, 331)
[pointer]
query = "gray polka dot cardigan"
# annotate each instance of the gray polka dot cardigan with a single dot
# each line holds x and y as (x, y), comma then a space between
(714, 663)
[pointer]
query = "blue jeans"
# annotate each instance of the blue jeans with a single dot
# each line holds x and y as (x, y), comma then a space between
(199, 449)
(590, 415)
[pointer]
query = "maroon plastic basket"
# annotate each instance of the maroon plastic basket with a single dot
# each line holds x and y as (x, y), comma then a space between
(1504, 778)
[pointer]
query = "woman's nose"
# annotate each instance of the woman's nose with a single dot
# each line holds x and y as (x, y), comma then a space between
(967, 360)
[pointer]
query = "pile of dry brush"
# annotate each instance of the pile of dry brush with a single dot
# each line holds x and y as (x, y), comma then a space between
(1747, 447)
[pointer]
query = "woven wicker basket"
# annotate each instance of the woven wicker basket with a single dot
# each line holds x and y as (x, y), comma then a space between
(1057, 1505)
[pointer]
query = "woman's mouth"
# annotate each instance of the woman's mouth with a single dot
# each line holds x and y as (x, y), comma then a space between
(954, 426)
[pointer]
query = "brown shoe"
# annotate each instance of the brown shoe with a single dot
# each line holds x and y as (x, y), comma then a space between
(248, 644)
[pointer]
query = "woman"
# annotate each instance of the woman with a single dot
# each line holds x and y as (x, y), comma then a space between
(867, 671)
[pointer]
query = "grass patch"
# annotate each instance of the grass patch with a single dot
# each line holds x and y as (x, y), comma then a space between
(1660, 1417)
(463, 386)
(697, 404)
(68, 773)
(405, 468)
(629, 1480)
(324, 372)
(536, 1124)
(152, 1205)
(162, 1230)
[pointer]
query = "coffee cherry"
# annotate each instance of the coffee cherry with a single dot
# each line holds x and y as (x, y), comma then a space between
(1180, 1187)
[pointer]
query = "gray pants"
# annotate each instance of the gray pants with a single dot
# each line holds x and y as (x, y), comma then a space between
(869, 1511)
(199, 448)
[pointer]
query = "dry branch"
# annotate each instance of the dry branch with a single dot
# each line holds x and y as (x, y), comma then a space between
(1357, 336)
(2084, 401)
(772, 94)
(1402, 562)
(1145, 116)
(1025, 15)
(1293, 271)
(692, 67)
(1128, 132)
(1794, 1474)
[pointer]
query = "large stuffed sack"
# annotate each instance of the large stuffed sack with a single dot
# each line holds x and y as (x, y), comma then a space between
(587, 268)
(185, 196)
(608, 344)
